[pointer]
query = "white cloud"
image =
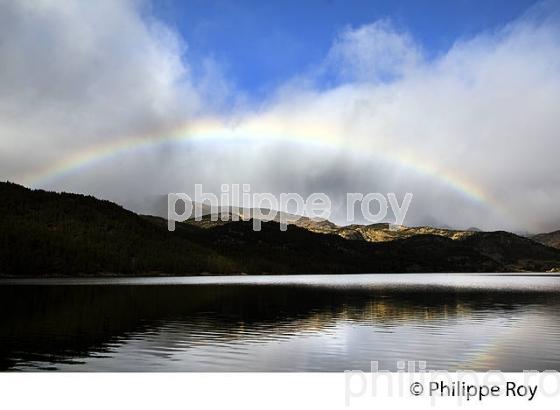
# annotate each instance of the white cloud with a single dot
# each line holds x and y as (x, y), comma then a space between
(482, 116)
(373, 52)
(76, 72)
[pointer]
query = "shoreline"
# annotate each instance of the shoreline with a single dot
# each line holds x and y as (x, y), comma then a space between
(349, 280)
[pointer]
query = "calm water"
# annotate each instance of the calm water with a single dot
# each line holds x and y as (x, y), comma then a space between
(281, 323)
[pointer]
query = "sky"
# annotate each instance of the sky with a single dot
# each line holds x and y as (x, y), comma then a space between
(261, 44)
(455, 102)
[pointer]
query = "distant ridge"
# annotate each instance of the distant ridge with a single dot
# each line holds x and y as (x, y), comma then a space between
(551, 239)
(380, 232)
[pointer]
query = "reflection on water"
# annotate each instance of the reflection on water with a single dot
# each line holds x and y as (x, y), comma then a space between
(306, 323)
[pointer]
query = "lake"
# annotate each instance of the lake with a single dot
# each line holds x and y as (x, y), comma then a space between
(281, 323)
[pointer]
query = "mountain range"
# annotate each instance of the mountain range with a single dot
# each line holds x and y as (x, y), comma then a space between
(62, 234)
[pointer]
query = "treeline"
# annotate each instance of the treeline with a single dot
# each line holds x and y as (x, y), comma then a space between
(45, 233)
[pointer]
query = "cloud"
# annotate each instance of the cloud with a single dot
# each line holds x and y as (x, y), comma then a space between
(478, 120)
(472, 132)
(372, 52)
(76, 72)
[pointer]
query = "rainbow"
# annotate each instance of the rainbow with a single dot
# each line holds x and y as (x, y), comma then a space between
(258, 129)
